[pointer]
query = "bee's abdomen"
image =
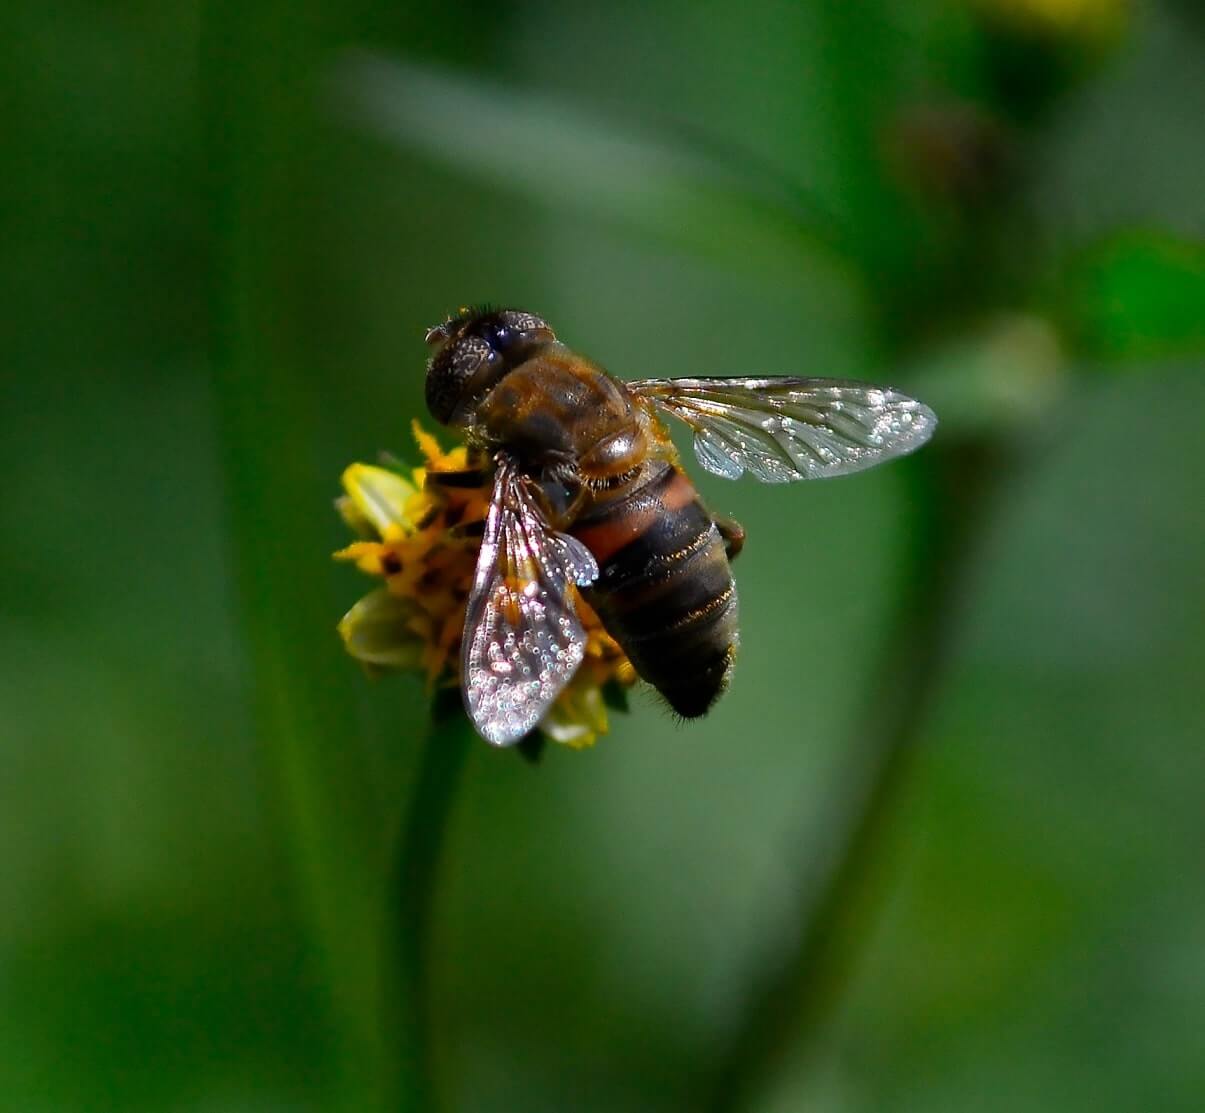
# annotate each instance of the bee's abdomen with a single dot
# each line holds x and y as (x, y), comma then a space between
(665, 590)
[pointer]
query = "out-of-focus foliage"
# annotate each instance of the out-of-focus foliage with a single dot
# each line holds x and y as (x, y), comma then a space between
(1137, 297)
(222, 248)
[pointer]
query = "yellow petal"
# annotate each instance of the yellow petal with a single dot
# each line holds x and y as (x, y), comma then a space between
(379, 495)
(1069, 17)
(427, 445)
(368, 555)
(376, 631)
(577, 718)
(437, 460)
(350, 513)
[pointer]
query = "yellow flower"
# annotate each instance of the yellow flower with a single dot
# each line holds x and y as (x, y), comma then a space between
(420, 541)
(1087, 19)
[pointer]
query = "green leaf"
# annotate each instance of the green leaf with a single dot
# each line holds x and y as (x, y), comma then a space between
(536, 145)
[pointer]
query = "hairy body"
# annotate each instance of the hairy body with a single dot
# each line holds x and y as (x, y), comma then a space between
(588, 496)
(610, 478)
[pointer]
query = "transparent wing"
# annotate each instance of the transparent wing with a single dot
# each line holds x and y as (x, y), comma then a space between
(522, 637)
(782, 429)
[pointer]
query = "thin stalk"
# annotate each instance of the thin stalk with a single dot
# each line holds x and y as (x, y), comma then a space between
(805, 968)
(416, 888)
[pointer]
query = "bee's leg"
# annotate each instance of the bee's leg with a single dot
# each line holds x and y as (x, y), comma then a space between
(733, 534)
(577, 500)
(564, 493)
(531, 746)
(470, 477)
(468, 529)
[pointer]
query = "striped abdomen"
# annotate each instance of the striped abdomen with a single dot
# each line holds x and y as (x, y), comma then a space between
(665, 590)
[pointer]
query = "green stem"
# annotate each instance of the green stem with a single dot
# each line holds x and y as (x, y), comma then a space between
(805, 968)
(420, 853)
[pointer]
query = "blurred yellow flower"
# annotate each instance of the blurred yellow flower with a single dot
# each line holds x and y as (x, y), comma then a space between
(1074, 18)
(420, 539)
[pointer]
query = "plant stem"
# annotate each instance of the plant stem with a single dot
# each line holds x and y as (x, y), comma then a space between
(420, 853)
(805, 968)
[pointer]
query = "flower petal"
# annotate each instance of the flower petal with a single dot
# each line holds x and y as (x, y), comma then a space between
(376, 630)
(577, 718)
(427, 444)
(368, 555)
(350, 513)
(380, 496)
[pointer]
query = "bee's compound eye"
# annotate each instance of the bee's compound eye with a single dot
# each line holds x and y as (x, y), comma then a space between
(450, 373)
(519, 323)
(499, 337)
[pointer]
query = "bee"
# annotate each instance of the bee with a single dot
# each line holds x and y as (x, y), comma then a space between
(588, 494)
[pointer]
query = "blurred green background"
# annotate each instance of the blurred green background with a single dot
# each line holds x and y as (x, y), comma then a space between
(227, 228)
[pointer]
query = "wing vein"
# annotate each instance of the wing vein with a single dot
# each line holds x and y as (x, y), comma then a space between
(790, 428)
(522, 639)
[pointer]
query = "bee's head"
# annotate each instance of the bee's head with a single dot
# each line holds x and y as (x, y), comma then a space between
(473, 350)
